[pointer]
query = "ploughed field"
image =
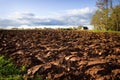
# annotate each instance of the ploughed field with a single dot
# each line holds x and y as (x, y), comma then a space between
(64, 55)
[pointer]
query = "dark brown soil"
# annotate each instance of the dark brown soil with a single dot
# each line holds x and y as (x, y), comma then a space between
(64, 55)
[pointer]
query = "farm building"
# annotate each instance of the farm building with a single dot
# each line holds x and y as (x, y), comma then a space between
(84, 28)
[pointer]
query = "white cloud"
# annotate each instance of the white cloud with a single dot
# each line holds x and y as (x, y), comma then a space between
(17, 15)
(82, 11)
(70, 17)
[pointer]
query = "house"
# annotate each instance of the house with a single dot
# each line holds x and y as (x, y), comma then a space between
(84, 28)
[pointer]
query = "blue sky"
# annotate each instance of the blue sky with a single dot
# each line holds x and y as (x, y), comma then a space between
(18, 13)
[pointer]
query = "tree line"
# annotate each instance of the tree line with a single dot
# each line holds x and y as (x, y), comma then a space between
(107, 18)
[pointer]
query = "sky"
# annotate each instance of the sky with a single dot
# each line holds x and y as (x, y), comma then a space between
(36, 13)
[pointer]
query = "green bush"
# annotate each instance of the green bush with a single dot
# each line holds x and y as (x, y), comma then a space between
(9, 71)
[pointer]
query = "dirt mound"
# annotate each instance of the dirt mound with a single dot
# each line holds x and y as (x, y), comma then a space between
(64, 55)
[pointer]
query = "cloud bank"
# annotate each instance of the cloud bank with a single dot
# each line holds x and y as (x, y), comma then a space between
(69, 17)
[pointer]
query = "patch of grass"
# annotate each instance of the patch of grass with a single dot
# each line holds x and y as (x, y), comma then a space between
(8, 71)
(105, 31)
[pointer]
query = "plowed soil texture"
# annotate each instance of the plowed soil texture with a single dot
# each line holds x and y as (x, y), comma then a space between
(64, 55)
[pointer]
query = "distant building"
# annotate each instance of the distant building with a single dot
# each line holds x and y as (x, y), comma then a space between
(84, 28)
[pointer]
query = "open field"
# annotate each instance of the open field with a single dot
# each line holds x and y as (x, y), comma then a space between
(62, 54)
